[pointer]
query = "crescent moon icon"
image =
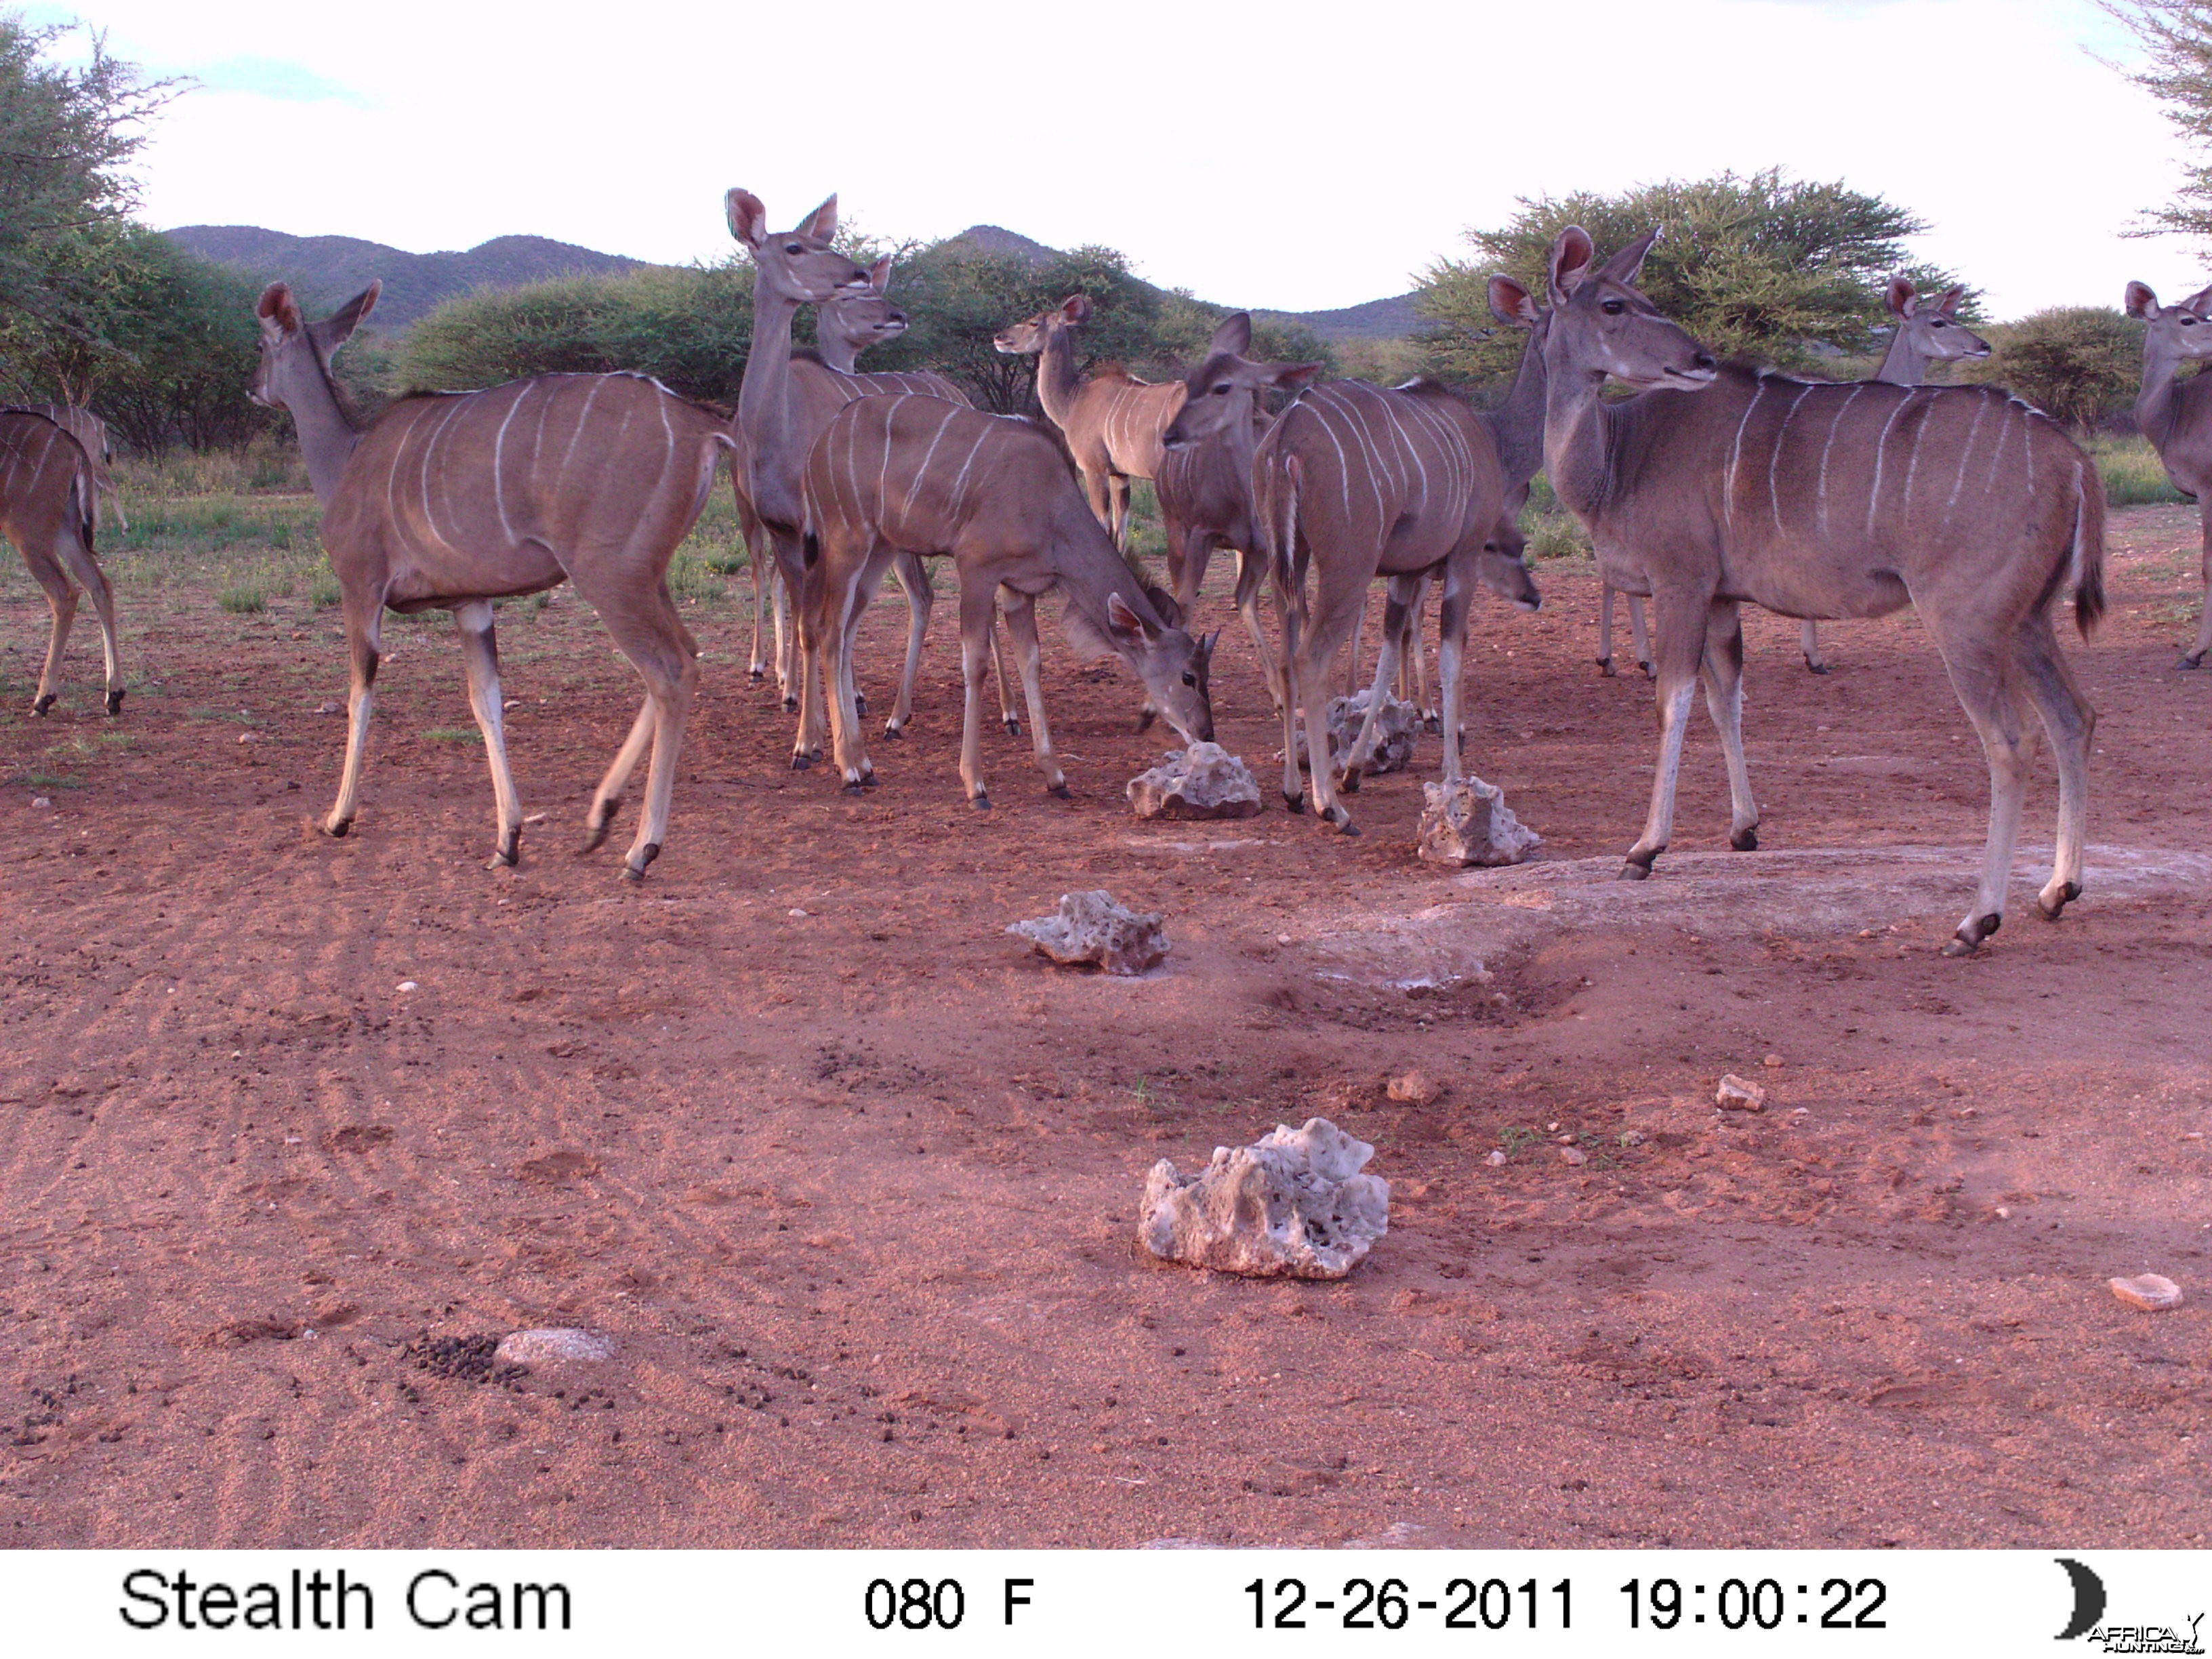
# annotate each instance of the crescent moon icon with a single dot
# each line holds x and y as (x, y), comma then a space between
(2088, 1599)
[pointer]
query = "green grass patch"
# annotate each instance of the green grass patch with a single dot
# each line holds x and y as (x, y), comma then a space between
(38, 778)
(324, 592)
(453, 734)
(245, 601)
(2133, 474)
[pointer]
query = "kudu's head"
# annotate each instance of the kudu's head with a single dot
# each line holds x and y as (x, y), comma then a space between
(1601, 325)
(1223, 391)
(2178, 333)
(1503, 565)
(863, 319)
(1172, 666)
(798, 265)
(1932, 327)
(1032, 334)
(295, 370)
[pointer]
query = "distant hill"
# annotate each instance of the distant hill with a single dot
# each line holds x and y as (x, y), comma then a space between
(999, 243)
(328, 269)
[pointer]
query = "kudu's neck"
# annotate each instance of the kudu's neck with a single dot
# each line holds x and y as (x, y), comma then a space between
(1517, 425)
(2157, 405)
(1092, 570)
(1904, 363)
(1578, 440)
(838, 353)
(1056, 383)
(764, 395)
(326, 436)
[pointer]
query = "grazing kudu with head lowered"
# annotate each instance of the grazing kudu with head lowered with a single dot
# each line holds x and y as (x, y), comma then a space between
(1924, 335)
(1204, 488)
(1352, 482)
(89, 430)
(918, 475)
(449, 501)
(50, 508)
(1111, 420)
(846, 325)
(1721, 485)
(2176, 416)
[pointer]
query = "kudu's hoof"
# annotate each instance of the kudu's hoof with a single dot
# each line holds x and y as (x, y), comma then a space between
(1636, 870)
(801, 761)
(1745, 841)
(859, 704)
(1296, 803)
(508, 854)
(1340, 822)
(2052, 909)
(2190, 659)
(595, 832)
(1605, 666)
(646, 854)
(42, 704)
(893, 730)
(1060, 792)
(1348, 783)
(1968, 939)
(1013, 728)
(869, 780)
(1433, 724)
(790, 704)
(854, 786)
(1650, 672)
(980, 802)
(1812, 667)
(760, 673)
(115, 702)
(337, 831)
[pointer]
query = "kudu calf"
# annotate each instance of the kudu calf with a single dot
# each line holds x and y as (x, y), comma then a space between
(1111, 420)
(50, 508)
(89, 430)
(2176, 416)
(919, 475)
(448, 500)
(1351, 482)
(1721, 484)
(1922, 336)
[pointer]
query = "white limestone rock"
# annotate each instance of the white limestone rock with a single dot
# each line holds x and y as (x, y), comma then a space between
(1091, 929)
(1469, 822)
(1737, 1094)
(559, 1346)
(1202, 781)
(1395, 729)
(2152, 1292)
(1294, 1205)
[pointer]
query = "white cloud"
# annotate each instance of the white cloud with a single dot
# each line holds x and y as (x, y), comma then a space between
(1310, 155)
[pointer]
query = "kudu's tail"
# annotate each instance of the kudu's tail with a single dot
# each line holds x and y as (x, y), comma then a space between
(1279, 518)
(2088, 560)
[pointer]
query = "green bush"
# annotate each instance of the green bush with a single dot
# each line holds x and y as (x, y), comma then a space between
(2079, 364)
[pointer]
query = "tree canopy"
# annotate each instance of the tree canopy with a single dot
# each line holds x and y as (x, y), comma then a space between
(2176, 36)
(1758, 266)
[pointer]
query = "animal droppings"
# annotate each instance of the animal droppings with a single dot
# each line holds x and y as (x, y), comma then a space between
(1294, 1205)
(1091, 929)
(1736, 1094)
(558, 1345)
(2152, 1292)
(1497, 1159)
(1202, 781)
(1469, 823)
(406, 986)
(1415, 1088)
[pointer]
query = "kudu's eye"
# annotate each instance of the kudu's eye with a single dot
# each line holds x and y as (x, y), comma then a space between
(1189, 678)
(1938, 322)
(2188, 321)
(1221, 390)
(795, 249)
(1613, 307)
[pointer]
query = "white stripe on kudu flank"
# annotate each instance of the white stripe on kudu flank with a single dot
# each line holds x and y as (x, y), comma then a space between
(498, 460)
(576, 432)
(1828, 448)
(1735, 452)
(1774, 459)
(1981, 408)
(959, 491)
(1881, 444)
(929, 454)
(1912, 460)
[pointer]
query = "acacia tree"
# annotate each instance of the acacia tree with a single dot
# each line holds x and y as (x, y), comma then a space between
(1758, 266)
(2176, 37)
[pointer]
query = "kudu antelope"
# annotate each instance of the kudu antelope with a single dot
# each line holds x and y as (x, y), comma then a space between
(1721, 485)
(846, 324)
(1205, 492)
(1351, 482)
(50, 508)
(89, 430)
(1921, 336)
(448, 500)
(922, 476)
(2176, 416)
(1111, 420)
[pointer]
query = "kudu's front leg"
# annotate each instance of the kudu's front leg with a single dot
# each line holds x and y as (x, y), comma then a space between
(1809, 642)
(920, 598)
(2071, 724)
(93, 580)
(1386, 672)
(364, 625)
(480, 658)
(1723, 672)
(2194, 657)
(978, 599)
(1002, 664)
(1451, 655)
(1681, 651)
(1021, 623)
(61, 599)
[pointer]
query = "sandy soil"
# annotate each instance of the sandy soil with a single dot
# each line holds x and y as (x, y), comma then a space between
(852, 1181)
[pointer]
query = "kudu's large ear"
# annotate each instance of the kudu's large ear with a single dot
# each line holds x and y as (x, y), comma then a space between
(2200, 303)
(1164, 602)
(1623, 267)
(1075, 308)
(2142, 302)
(1571, 253)
(278, 311)
(1233, 335)
(1512, 304)
(1125, 622)
(1900, 299)
(748, 216)
(1295, 377)
(822, 222)
(335, 330)
(1948, 305)
(879, 275)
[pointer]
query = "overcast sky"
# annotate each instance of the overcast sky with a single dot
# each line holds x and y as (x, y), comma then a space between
(1289, 156)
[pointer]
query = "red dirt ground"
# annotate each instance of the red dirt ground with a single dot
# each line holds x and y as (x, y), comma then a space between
(851, 1180)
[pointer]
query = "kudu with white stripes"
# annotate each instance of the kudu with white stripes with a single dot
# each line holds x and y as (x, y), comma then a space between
(2176, 416)
(50, 508)
(1112, 420)
(1721, 484)
(920, 475)
(1352, 482)
(1206, 491)
(846, 325)
(89, 430)
(448, 500)
(1922, 336)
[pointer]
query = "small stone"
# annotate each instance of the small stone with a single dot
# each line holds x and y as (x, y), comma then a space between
(1574, 1155)
(1469, 823)
(1090, 928)
(796, 911)
(1294, 1205)
(1282, 939)
(249, 737)
(1632, 1136)
(2150, 1292)
(41, 800)
(1413, 1088)
(1202, 781)
(406, 986)
(1496, 1160)
(1736, 1094)
(330, 708)
(2003, 1214)
(558, 1345)
(1772, 1062)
